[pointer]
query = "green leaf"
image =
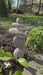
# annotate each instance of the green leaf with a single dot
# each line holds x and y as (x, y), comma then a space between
(23, 62)
(1, 50)
(0, 70)
(5, 58)
(18, 73)
(8, 54)
(10, 73)
(27, 41)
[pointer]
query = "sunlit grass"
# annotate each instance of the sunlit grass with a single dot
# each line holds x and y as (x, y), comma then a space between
(7, 25)
(31, 20)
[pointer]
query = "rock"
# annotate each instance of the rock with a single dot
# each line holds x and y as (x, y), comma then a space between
(14, 31)
(18, 53)
(25, 28)
(23, 36)
(19, 20)
(15, 24)
(19, 42)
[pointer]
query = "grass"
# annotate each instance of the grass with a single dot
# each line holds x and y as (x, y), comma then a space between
(1, 35)
(27, 19)
(7, 25)
(31, 20)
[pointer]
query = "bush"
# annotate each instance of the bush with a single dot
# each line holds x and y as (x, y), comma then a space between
(35, 39)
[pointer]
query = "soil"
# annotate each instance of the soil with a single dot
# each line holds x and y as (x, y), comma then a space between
(7, 44)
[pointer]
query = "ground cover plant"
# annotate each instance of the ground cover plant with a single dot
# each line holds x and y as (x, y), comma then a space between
(27, 19)
(35, 39)
(10, 65)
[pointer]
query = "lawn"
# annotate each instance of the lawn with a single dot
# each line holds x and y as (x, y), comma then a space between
(27, 19)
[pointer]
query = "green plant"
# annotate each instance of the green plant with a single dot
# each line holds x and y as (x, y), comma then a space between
(16, 73)
(35, 39)
(5, 56)
(26, 18)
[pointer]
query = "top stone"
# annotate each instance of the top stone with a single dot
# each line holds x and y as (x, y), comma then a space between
(19, 20)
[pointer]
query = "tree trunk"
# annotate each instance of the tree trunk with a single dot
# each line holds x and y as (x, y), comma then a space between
(9, 6)
(31, 6)
(39, 7)
(17, 5)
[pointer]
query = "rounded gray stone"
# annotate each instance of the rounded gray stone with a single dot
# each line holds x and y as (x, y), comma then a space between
(15, 31)
(18, 53)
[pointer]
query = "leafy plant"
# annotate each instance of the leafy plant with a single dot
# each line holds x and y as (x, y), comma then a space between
(23, 62)
(35, 39)
(5, 56)
(18, 73)
(10, 73)
(0, 70)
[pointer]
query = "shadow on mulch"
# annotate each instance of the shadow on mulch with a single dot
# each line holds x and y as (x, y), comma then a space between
(38, 61)
(32, 70)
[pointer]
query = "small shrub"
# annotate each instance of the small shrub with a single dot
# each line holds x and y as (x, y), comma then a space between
(5, 57)
(35, 39)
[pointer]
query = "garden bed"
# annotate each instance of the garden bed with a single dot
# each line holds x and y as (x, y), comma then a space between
(6, 43)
